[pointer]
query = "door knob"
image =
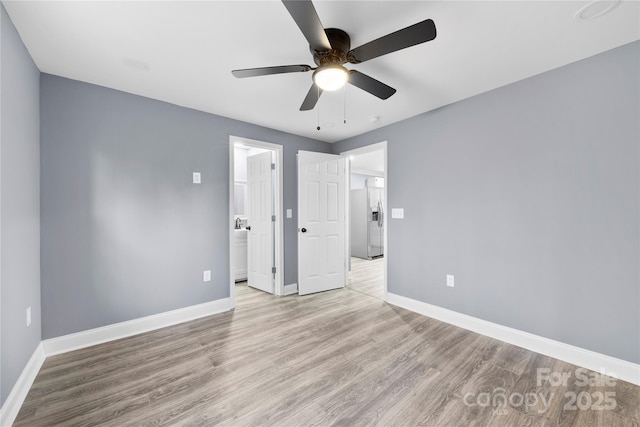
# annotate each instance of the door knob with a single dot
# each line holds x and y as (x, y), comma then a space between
(304, 230)
(248, 228)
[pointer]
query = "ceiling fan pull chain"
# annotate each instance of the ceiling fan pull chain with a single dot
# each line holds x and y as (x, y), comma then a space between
(344, 107)
(318, 87)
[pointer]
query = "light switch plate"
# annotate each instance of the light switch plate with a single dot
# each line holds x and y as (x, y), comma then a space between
(289, 213)
(397, 213)
(206, 276)
(28, 316)
(450, 281)
(196, 178)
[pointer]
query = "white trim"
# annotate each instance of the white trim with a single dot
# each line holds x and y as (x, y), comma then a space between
(598, 362)
(12, 405)
(368, 172)
(291, 289)
(231, 226)
(116, 331)
(279, 237)
(63, 344)
(347, 216)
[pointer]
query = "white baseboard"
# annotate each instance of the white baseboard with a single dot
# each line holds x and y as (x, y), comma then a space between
(598, 362)
(291, 289)
(116, 331)
(63, 344)
(12, 405)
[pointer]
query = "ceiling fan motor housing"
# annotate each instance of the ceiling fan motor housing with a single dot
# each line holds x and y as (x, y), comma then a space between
(340, 46)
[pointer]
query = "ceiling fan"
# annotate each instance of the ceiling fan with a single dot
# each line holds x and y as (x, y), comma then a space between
(331, 48)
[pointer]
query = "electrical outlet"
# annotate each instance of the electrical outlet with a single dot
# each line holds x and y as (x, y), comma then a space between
(196, 178)
(450, 282)
(28, 316)
(206, 276)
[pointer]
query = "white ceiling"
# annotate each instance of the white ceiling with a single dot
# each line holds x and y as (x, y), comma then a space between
(183, 52)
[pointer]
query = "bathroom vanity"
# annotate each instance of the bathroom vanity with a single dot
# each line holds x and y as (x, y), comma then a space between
(240, 248)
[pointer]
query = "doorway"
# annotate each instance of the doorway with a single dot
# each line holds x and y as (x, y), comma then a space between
(368, 212)
(256, 238)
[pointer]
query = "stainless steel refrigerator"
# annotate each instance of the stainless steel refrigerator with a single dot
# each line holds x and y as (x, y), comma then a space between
(367, 223)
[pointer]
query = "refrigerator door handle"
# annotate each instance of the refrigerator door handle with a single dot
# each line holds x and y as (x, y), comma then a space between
(380, 214)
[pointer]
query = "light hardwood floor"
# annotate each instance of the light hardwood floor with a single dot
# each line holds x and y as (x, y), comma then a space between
(367, 277)
(337, 358)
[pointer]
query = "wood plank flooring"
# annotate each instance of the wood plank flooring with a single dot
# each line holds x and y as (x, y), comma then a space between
(367, 277)
(339, 358)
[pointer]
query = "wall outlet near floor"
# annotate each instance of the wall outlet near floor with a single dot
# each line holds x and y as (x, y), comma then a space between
(450, 282)
(28, 316)
(206, 276)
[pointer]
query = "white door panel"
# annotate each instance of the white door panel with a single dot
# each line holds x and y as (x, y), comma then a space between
(321, 222)
(259, 223)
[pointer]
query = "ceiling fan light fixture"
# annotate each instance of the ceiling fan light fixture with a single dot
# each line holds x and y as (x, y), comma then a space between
(331, 77)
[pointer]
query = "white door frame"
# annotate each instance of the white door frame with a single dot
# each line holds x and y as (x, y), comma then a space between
(279, 229)
(387, 211)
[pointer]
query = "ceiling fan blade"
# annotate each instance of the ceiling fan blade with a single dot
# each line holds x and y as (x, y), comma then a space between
(415, 34)
(265, 71)
(371, 85)
(311, 99)
(307, 19)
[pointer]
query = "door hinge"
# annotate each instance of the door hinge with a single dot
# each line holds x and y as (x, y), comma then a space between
(273, 166)
(273, 270)
(273, 218)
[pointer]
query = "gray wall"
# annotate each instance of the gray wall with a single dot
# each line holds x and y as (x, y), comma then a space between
(529, 195)
(19, 205)
(125, 233)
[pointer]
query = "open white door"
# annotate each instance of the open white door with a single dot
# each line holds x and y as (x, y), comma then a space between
(321, 222)
(259, 222)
